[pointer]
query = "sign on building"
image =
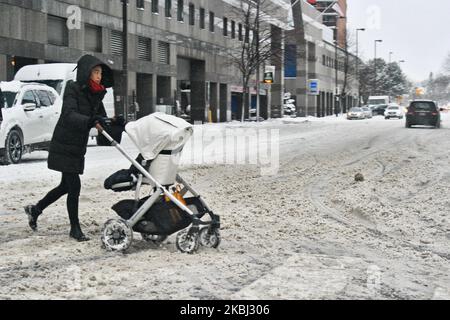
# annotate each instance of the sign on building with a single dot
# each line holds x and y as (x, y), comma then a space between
(313, 87)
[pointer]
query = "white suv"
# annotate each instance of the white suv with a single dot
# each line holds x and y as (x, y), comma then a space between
(28, 116)
(393, 111)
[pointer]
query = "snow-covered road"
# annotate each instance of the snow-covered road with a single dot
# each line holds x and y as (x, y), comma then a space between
(308, 231)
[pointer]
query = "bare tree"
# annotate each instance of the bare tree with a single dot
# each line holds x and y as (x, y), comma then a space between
(348, 69)
(256, 47)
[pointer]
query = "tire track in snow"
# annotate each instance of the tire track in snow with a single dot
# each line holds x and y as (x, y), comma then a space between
(316, 189)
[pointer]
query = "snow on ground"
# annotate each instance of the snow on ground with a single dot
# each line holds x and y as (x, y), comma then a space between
(306, 230)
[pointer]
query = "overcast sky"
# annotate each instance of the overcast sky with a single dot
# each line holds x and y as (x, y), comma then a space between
(417, 31)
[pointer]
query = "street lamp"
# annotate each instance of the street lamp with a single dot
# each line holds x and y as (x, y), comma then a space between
(357, 66)
(390, 56)
(375, 62)
(337, 99)
(125, 58)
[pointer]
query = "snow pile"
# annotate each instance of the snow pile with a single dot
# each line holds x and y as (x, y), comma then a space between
(310, 231)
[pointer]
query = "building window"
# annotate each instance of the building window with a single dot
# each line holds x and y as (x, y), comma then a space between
(144, 50)
(155, 6)
(211, 21)
(191, 14)
(233, 29)
(57, 31)
(240, 31)
(140, 4)
(202, 18)
(116, 43)
(168, 8)
(225, 26)
(180, 10)
(164, 52)
(247, 35)
(92, 38)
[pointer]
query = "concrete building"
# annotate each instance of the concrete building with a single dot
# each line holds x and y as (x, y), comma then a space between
(331, 65)
(335, 18)
(177, 49)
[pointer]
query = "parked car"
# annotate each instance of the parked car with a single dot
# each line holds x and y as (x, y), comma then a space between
(393, 111)
(423, 112)
(252, 116)
(28, 119)
(367, 112)
(356, 113)
(379, 110)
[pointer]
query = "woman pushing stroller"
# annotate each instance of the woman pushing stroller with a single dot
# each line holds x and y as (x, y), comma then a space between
(82, 108)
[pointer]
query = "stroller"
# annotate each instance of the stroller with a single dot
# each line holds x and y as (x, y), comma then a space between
(160, 139)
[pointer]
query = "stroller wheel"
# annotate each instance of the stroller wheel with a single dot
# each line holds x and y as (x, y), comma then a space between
(156, 239)
(210, 238)
(117, 235)
(187, 243)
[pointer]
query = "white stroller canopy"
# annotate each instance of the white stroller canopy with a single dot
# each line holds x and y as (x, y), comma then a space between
(157, 132)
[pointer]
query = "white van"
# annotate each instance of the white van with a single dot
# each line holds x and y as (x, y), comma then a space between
(378, 100)
(56, 75)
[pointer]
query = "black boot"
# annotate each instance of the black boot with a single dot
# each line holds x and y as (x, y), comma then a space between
(33, 212)
(77, 234)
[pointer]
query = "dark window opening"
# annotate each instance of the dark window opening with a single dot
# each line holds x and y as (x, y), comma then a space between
(180, 10)
(202, 18)
(155, 6)
(168, 8)
(225, 26)
(211, 21)
(191, 14)
(57, 31)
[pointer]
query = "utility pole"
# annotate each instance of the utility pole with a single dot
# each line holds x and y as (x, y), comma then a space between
(375, 62)
(336, 66)
(258, 101)
(125, 57)
(357, 66)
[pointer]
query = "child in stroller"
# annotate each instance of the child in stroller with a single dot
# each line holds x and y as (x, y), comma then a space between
(160, 139)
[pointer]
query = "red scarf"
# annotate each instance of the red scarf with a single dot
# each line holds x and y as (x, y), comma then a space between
(95, 87)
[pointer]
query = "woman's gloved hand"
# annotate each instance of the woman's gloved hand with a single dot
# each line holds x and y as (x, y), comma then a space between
(97, 119)
(118, 120)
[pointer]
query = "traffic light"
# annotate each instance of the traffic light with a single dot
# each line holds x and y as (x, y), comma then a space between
(268, 77)
(420, 91)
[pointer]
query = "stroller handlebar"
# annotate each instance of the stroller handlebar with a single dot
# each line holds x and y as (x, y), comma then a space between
(99, 127)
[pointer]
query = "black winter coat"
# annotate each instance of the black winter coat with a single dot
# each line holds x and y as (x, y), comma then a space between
(71, 135)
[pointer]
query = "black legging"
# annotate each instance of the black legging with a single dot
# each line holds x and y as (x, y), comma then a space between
(70, 185)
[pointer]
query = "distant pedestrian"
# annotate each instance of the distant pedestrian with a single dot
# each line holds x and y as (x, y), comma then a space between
(337, 110)
(82, 108)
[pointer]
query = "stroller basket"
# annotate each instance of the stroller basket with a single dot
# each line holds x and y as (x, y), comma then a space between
(163, 218)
